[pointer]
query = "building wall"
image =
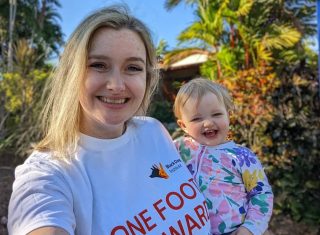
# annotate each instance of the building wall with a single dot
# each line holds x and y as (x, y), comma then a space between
(171, 80)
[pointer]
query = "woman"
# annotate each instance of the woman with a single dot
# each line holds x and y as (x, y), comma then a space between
(100, 169)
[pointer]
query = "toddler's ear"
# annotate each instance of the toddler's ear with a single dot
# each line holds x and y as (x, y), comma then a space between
(181, 124)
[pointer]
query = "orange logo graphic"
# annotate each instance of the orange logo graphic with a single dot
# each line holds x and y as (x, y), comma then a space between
(158, 171)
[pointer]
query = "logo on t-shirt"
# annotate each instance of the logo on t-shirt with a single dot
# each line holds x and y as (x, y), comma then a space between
(158, 171)
(174, 165)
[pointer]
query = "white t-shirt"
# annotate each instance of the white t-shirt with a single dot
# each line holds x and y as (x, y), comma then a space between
(134, 184)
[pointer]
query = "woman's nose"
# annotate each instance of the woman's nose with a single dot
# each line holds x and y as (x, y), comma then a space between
(115, 81)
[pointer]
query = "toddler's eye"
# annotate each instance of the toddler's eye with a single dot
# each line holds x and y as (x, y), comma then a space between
(195, 119)
(216, 114)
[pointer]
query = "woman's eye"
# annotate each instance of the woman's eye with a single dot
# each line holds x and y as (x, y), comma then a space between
(135, 68)
(98, 66)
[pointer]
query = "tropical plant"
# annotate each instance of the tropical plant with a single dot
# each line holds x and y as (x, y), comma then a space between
(162, 48)
(32, 39)
(254, 110)
(226, 31)
(295, 150)
(262, 55)
(23, 99)
(35, 21)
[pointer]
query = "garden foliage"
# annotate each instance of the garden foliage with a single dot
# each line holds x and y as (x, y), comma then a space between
(278, 117)
(22, 108)
(259, 50)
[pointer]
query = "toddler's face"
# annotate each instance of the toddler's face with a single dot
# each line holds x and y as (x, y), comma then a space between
(205, 120)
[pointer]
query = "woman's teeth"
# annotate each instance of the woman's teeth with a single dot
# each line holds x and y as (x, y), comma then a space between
(111, 101)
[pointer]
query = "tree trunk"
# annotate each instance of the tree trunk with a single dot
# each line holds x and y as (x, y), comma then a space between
(42, 13)
(247, 56)
(232, 43)
(219, 72)
(13, 9)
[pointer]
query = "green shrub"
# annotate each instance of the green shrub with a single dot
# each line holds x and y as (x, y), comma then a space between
(162, 110)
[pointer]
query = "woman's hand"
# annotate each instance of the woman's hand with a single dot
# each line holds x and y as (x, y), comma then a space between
(242, 231)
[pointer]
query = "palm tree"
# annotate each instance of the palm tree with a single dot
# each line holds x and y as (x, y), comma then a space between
(215, 33)
(204, 34)
(161, 49)
(170, 4)
(13, 9)
(4, 17)
(42, 27)
(264, 31)
(231, 33)
(34, 20)
(34, 34)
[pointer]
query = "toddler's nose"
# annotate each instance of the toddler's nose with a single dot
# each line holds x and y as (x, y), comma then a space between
(208, 123)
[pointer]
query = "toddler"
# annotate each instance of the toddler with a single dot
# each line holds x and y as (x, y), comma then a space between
(238, 195)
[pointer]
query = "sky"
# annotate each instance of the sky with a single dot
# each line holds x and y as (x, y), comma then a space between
(163, 24)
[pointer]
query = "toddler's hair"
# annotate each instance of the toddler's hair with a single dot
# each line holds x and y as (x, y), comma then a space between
(197, 88)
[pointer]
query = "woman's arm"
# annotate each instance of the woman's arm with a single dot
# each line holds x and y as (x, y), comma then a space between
(49, 231)
(41, 198)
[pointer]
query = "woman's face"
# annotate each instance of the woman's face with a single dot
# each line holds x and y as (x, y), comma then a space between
(115, 83)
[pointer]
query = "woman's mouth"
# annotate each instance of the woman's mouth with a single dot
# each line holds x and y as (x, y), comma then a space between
(112, 100)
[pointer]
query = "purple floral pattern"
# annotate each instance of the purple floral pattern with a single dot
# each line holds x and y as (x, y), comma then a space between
(244, 156)
(233, 181)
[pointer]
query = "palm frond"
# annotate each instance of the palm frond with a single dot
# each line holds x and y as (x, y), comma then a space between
(282, 37)
(244, 7)
(170, 4)
(263, 53)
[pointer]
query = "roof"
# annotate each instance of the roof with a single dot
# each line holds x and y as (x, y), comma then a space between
(189, 61)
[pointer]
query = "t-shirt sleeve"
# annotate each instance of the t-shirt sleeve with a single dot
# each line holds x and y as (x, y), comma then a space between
(176, 145)
(259, 192)
(41, 197)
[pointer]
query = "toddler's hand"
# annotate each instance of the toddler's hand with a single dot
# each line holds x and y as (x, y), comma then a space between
(242, 231)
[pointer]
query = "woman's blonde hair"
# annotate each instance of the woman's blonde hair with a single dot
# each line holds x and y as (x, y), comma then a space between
(197, 88)
(61, 113)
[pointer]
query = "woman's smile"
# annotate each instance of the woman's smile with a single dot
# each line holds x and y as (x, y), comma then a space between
(113, 100)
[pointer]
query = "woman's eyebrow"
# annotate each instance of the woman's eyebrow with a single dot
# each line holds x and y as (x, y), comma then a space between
(136, 59)
(104, 57)
(96, 56)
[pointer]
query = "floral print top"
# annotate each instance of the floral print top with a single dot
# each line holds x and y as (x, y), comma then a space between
(234, 183)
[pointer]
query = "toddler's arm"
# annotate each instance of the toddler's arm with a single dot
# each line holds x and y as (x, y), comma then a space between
(259, 193)
(242, 231)
(182, 145)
